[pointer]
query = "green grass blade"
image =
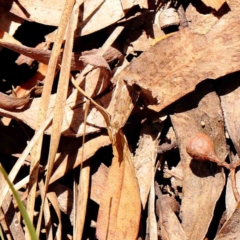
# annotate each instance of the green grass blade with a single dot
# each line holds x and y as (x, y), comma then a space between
(21, 207)
(1, 234)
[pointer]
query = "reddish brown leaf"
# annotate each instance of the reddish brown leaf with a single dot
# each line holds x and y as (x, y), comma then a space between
(175, 68)
(120, 205)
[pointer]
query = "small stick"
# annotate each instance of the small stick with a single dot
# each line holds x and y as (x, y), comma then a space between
(234, 185)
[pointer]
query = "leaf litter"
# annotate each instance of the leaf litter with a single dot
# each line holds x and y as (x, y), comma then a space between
(108, 115)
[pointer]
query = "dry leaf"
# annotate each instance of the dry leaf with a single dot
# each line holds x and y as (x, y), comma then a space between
(54, 201)
(152, 229)
(168, 221)
(65, 195)
(8, 21)
(73, 120)
(49, 13)
(202, 186)
(95, 60)
(120, 205)
(182, 66)
(229, 93)
(145, 157)
(199, 23)
(230, 198)
(98, 182)
(24, 88)
(214, 3)
(230, 229)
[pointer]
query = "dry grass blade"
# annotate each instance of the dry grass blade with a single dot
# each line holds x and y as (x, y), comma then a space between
(44, 105)
(54, 201)
(19, 163)
(47, 214)
(83, 187)
(151, 221)
(82, 198)
(60, 99)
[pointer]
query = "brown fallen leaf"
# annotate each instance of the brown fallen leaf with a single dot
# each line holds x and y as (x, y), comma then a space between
(39, 76)
(202, 186)
(8, 21)
(229, 92)
(64, 197)
(230, 229)
(98, 182)
(199, 23)
(49, 13)
(168, 221)
(214, 3)
(152, 228)
(230, 197)
(120, 205)
(174, 68)
(143, 3)
(145, 157)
